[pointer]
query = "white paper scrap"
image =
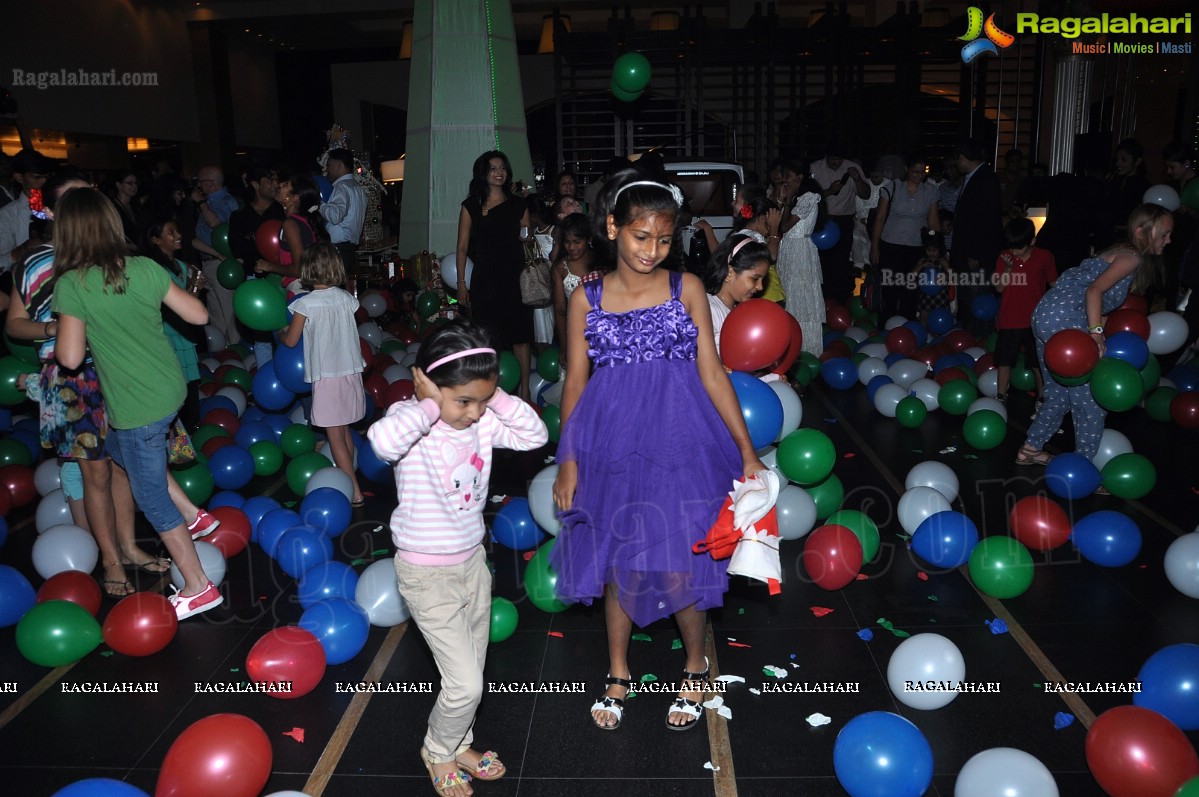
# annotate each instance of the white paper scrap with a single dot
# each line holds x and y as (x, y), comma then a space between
(730, 679)
(755, 691)
(711, 766)
(777, 672)
(725, 712)
(818, 719)
(715, 702)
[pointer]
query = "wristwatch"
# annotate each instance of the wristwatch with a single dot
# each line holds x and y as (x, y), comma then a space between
(1097, 329)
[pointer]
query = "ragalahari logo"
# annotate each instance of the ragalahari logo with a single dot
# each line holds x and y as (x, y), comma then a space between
(995, 40)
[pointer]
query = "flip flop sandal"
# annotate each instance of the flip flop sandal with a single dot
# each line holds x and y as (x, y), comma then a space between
(482, 770)
(156, 566)
(111, 585)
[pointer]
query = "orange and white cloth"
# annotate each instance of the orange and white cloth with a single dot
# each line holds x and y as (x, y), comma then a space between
(747, 531)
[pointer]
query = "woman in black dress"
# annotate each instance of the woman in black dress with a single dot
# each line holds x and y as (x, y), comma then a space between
(489, 233)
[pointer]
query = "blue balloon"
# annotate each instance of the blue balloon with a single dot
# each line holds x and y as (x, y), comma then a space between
(1107, 538)
(880, 754)
(325, 187)
(918, 330)
(5, 419)
(327, 509)
(985, 306)
(370, 466)
(273, 525)
(894, 357)
(875, 383)
(289, 367)
(232, 467)
(515, 528)
(1170, 685)
(32, 441)
(1071, 476)
(34, 425)
(828, 236)
(829, 336)
(369, 403)
(301, 548)
(255, 508)
(940, 320)
(16, 596)
(945, 539)
(226, 498)
(340, 625)
(760, 406)
(269, 391)
(252, 432)
(252, 413)
(1184, 377)
(945, 361)
(1129, 347)
(100, 787)
(327, 580)
(3, 531)
(217, 403)
(839, 372)
(930, 281)
(278, 423)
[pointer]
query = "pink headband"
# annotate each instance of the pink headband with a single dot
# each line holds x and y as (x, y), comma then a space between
(457, 356)
(746, 239)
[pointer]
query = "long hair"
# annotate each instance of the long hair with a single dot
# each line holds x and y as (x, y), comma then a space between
(147, 248)
(625, 206)
(88, 234)
(751, 252)
(755, 198)
(309, 194)
(1152, 271)
(478, 180)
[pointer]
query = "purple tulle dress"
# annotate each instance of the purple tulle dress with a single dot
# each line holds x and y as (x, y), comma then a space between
(655, 463)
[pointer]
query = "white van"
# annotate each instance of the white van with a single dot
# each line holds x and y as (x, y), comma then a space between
(710, 188)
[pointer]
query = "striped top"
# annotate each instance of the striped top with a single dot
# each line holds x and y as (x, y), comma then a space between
(442, 473)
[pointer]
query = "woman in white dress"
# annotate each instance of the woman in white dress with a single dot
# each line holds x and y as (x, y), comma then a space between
(799, 267)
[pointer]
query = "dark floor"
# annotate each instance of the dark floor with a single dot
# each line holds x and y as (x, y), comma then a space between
(1087, 622)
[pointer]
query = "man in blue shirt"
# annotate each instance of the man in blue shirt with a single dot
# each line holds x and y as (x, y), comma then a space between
(346, 209)
(215, 205)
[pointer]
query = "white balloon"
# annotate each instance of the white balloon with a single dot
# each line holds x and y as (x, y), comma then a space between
(250, 363)
(327, 452)
(1004, 772)
(984, 403)
(905, 372)
(374, 304)
(887, 398)
(541, 501)
(792, 407)
(988, 383)
(927, 390)
(379, 594)
(371, 333)
(922, 658)
(297, 414)
(1167, 332)
(211, 559)
(936, 475)
(918, 503)
(211, 363)
(1182, 564)
(975, 352)
(214, 338)
(769, 457)
(62, 548)
(413, 347)
(408, 360)
(856, 334)
(895, 321)
(553, 394)
(234, 394)
(1111, 445)
(46, 478)
(449, 270)
(796, 512)
(394, 373)
(53, 510)
(336, 478)
(537, 384)
(1163, 195)
(878, 350)
(870, 368)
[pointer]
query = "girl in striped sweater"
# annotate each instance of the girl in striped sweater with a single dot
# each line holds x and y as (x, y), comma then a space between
(441, 444)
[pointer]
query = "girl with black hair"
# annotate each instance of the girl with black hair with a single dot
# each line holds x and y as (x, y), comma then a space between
(735, 274)
(576, 262)
(304, 226)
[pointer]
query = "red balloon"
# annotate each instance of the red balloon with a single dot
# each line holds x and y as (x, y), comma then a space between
(1136, 303)
(984, 363)
(838, 348)
(225, 754)
(361, 316)
(210, 388)
(1184, 409)
(399, 390)
(755, 335)
(366, 350)
(267, 239)
(18, 480)
(225, 356)
(212, 445)
(926, 356)
(226, 419)
(376, 386)
(958, 340)
(901, 340)
(1071, 353)
(1136, 752)
(1039, 523)
(73, 586)
(832, 556)
(233, 535)
(836, 315)
(949, 374)
(5, 503)
(288, 654)
(1127, 320)
(141, 624)
(794, 348)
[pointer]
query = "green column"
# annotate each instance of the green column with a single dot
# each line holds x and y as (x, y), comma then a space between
(464, 98)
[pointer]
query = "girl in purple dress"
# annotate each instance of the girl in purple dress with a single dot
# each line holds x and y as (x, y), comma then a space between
(652, 442)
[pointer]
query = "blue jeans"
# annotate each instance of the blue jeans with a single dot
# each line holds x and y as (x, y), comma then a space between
(142, 453)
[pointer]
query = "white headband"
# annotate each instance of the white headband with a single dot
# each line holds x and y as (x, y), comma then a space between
(673, 189)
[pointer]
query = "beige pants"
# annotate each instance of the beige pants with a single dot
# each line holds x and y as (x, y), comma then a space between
(220, 303)
(452, 608)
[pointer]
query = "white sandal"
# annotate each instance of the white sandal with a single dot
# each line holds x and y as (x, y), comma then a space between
(691, 708)
(614, 705)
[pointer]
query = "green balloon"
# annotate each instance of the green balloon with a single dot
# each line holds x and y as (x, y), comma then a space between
(260, 305)
(503, 619)
(856, 309)
(220, 239)
(1191, 787)
(862, 527)
(551, 416)
(828, 496)
(1190, 198)
(240, 349)
(1157, 403)
(1116, 385)
(14, 452)
(1129, 476)
(196, 481)
(297, 439)
(631, 73)
(806, 456)
(55, 633)
(802, 376)
(509, 372)
(1151, 374)
(956, 396)
(240, 377)
(230, 274)
(910, 412)
(540, 581)
(622, 95)
(1001, 567)
(858, 358)
(11, 369)
(392, 344)
(427, 304)
(277, 281)
(300, 470)
(205, 433)
(984, 429)
(1024, 379)
(989, 343)
(25, 350)
(547, 365)
(1072, 381)
(268, 458)
(811, 362)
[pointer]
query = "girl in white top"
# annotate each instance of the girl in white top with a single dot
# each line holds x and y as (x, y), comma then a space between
(734, 275)
(576, 261)
(799, 266)
(332, 354)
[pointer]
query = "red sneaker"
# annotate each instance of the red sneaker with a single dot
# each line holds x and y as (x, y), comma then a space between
(187, 606)
(203, 525)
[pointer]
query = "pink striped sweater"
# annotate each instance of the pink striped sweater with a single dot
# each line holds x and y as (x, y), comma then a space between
(442, 473)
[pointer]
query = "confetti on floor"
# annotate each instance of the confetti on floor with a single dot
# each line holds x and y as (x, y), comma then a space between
(498, 499)
(711, 766)
(1062, 719)
(997, 626)
(821, 611)
(933, 598)
(548, 459)
(865, 634)
(676, 645)
(557, 634)
(640, 637)
(755, 691)
(296, 733)
(715, 703)
(818, 719)
(649, 677)
(527, 555)
(725, 711)
(794, 666)
(850, 455)
(774, 672)
(739, 645)
(922, 575)
(861, 577)
(730, 679)
(887, 624)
